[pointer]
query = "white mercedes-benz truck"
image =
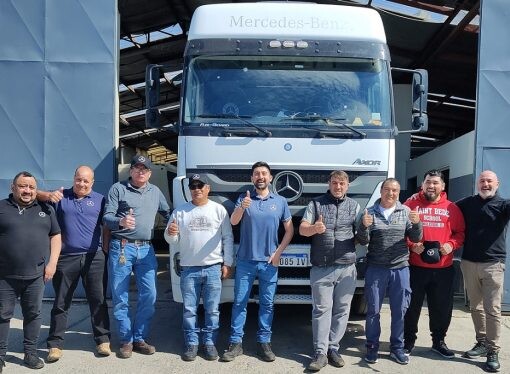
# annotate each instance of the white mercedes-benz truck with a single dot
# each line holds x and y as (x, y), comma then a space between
(306, 88)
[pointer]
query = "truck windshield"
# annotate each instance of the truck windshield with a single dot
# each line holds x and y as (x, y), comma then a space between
(287, 91)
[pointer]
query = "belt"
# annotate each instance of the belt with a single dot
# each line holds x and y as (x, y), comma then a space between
(137, 242)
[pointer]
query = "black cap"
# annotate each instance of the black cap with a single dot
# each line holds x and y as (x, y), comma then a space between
(197, 179)
(431, 254)
(142, 160)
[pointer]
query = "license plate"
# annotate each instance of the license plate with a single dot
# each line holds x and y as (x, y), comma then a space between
(294, 259)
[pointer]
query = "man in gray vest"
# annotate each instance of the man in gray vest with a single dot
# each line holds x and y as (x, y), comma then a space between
(331, 220)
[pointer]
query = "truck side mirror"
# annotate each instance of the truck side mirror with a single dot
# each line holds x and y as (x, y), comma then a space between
(420, 121)
(152, 87)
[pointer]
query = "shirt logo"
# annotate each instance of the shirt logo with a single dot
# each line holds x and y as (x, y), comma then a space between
(90, 203)
(273, 207)
(42, 214)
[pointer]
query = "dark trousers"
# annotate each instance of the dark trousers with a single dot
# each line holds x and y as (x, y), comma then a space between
(437, 285)
(30, 293)
(90, 268)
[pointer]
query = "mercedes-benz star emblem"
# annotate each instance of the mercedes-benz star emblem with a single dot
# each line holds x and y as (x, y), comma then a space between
(289, 185)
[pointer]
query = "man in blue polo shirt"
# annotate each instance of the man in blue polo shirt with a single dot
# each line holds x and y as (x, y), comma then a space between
(79, 213)
(30, 243)
(130, 213)
(260, 213)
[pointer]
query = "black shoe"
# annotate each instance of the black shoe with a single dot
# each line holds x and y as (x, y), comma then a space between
(492, 363)
(264, 352)
(408, 348)
(2, 364)
(32, 361)
(211, 354)
(441, 348)
(335, 359)
(479, 350)
(190, 353)
(319, 360)
(234, 350)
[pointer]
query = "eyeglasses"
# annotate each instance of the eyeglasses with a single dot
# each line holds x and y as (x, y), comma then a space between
(141, 170)
(196, 187)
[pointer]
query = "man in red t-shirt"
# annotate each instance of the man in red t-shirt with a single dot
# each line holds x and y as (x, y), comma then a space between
(431, 262)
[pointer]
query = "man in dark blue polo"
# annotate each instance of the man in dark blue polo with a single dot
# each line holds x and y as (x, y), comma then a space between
(79, 213)
(130, 213)
(29, 248)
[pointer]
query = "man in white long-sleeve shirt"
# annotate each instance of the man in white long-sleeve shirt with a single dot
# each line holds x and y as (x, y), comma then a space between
(202, 231)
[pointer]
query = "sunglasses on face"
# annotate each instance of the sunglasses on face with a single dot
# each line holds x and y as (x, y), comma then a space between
(196, 187)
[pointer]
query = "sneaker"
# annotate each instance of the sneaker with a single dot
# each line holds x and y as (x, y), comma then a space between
(264, 352)
(492, 363)
(211, 354)
(144, 348)
(125, 350)
(32, 361)
(372, 355)
(408, 348)
(479, 350)
(441, 348)
(190, 353)
(400, 357)
(319, 360)
(335, 359)
(103, 349)
(54, 354)
(234, 350)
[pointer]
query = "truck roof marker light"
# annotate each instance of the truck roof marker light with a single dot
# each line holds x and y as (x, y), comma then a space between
(302, 44)
(275, 44)
(288, 44)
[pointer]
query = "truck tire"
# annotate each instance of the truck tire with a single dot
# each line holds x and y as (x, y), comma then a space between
(359, 305)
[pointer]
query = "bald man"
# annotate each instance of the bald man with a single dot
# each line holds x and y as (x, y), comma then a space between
(84, 245)
(483, 264)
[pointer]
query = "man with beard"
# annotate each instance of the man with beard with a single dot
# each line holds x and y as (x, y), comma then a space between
(260, 212)
(331, 222)
(483, 264)
(431, 260)
(30, 243)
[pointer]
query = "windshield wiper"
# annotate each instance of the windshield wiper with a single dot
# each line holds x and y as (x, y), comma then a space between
(242, 119)
(328, 121)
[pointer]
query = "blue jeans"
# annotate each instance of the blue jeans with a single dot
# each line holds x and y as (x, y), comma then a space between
(246, 272)
(205, 282)
(395, 282)
(140, 260)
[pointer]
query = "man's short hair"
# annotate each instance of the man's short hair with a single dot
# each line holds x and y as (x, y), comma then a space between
(389, 180)
(260, 164)
(434, 173)
(25, 174)
(340, 174)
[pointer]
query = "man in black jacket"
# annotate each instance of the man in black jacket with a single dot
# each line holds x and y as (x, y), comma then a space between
(483, 263)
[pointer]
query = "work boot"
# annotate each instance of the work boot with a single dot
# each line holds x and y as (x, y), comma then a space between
(234, 350)
(264, 352)
(211, 353)
(335, 359)
(103, 349)
(319, 360)
(54, 355)
(125, 351)
(144, 348)
(190, 353)
(492, 363)
(32, 361)
(479, 350)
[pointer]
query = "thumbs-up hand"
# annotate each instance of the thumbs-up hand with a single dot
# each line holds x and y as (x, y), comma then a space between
(57, 195)
(414, 215)
(367, 219)
(245, 204)
(128, 221)
(320, 228)
(173, 228)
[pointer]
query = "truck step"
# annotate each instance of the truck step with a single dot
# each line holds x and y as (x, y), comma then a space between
(287, 299)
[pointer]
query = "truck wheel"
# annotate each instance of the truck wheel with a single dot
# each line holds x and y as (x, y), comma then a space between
(359, 305)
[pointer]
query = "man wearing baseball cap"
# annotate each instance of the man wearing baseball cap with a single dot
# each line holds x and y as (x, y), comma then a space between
(130, 213)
